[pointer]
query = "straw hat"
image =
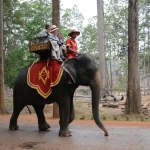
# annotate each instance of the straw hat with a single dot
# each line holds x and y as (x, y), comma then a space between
(53, 28)
(74, 31)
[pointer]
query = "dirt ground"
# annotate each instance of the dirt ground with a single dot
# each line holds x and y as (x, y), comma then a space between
(86, 135)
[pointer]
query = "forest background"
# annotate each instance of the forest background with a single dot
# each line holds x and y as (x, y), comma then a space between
(23, 20)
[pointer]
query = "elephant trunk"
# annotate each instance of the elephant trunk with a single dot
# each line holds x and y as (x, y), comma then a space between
(95, 87)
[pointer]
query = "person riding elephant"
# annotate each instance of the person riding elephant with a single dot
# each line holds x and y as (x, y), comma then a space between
(71, 44)
(45, 32)
(83, 71)
(62, 46)
(71, 47)
(55, 51)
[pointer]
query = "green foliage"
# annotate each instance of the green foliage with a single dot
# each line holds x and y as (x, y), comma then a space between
(12, 19)
(122, 83)
(14, 62)
(70, 19)
(22, 21)
(89, 42)
(144, 35)
(37, 14)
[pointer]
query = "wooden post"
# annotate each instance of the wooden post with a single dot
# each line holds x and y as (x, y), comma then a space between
(115, 117)
(104, 118)
(127, 118)
(142, 118)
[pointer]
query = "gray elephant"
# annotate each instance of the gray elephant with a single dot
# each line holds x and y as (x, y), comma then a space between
(83, 71)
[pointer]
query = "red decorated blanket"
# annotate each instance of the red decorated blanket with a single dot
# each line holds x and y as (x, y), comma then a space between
(43, 75)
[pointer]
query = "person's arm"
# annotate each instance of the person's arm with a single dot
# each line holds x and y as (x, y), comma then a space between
(68, 46)
(70, 49)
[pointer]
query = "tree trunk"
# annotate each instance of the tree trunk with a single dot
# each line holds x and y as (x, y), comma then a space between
(144, 68)
(111, 83)
(101, 43)
(148, 92)
(133, 103)
(56, 12)
(2, 107)
(56, 21)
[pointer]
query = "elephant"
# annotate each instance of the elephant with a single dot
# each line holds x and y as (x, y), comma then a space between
(83, 71)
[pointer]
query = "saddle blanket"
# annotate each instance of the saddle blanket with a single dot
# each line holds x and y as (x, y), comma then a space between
(42, 75)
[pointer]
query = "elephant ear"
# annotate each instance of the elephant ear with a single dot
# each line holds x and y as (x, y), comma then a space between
(70, 67)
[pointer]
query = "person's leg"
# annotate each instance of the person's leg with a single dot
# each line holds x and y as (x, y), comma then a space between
(62, 54)
(53, 54)
(58, 55)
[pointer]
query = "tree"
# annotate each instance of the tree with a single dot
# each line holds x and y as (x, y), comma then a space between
(116, 38)
(56, 12)
(12, 25)
(29, 18)
(133, 103)
(2, 107)
(101, 44)
(89, 39)
(71, 17)
(14, 62)
(144, 40)
(56, 21)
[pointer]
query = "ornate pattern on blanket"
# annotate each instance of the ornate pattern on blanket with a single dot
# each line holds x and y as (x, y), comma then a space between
(42, 75)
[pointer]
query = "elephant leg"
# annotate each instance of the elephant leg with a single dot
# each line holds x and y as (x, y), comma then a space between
(72, 112)
(64, 111)
(43, 125)
(13, 120)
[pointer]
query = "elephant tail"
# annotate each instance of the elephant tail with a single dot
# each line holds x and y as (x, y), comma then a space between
(28, 109)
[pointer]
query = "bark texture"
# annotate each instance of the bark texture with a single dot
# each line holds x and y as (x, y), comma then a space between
(2, 108)
(56, 12)
(56, 21)
(101, 43)
(133, 103)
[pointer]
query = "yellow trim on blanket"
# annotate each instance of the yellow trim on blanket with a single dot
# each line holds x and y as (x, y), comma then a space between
(58, 78)
(45, 95)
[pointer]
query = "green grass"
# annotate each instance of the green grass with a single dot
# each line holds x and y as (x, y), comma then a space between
(109, 117)
(78, 105)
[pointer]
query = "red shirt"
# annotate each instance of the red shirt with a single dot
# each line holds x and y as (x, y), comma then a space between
(73, 45)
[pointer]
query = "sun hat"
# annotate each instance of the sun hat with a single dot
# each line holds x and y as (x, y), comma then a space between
(53, 28)
(74, 31)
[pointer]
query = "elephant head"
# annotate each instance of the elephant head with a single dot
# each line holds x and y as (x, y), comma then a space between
(83, 71)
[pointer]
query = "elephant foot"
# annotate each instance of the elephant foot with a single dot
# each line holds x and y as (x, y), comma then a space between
(13, 127)
(44, 126)
(65, 133)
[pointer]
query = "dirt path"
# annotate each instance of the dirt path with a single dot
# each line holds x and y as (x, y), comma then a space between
(86, 135)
